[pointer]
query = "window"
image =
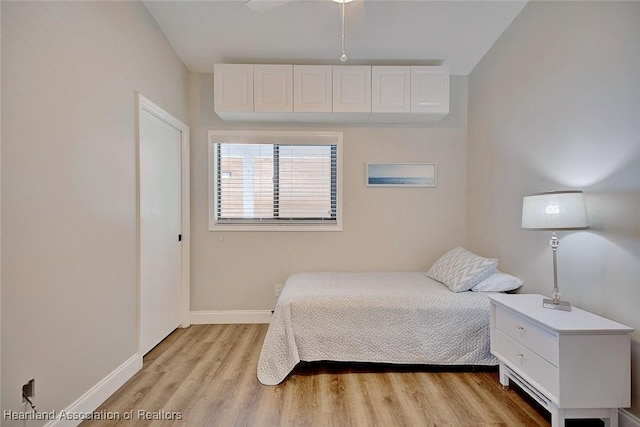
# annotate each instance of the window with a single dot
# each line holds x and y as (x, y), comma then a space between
(286, 181)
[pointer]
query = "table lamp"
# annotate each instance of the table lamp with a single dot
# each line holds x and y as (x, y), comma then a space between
(554, 211)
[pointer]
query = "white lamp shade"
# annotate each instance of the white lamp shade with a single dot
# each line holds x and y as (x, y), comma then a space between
(555, 210)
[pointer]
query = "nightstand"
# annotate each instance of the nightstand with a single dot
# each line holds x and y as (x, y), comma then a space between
(574, 363)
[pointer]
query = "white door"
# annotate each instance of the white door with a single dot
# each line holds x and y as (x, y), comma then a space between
(160, 229)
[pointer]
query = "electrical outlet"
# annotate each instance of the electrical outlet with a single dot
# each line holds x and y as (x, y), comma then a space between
(29, 390)
(278, 288)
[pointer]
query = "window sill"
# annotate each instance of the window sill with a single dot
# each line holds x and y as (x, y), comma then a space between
(275, 227)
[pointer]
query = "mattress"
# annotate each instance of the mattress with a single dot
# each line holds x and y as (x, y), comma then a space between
(402, 318)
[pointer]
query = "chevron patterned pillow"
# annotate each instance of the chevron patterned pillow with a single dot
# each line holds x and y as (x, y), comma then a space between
(460, 270)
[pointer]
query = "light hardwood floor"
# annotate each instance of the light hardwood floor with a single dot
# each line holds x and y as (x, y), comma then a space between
(206, 376)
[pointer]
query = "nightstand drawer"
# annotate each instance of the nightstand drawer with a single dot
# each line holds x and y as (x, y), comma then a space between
(527, 362)
(522, 331)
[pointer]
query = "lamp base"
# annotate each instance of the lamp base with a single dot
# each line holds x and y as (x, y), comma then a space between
(561, 305)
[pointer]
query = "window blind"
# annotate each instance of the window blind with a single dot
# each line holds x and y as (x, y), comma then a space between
(275, 183)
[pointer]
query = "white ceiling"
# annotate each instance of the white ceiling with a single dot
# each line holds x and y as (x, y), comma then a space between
(455, 33)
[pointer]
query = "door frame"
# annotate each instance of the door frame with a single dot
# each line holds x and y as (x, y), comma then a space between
(145, 105)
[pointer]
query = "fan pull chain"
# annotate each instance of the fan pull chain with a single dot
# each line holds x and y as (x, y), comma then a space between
(343, 57)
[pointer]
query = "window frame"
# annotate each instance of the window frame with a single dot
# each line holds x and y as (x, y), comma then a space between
(273, 137)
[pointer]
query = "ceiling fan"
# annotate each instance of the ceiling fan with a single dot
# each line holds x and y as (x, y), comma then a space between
(262, 5)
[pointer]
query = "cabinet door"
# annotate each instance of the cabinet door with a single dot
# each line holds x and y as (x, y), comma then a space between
(351, 89)
(233, 87)
(273, 88)
(312, 88)
(429, 89)
(390, 89)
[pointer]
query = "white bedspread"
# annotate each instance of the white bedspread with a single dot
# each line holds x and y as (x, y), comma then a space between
(404, 318)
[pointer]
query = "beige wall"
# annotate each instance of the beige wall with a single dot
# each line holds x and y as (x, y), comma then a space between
(384, 228)
(0, 204)
(70, 72)
(555, 104)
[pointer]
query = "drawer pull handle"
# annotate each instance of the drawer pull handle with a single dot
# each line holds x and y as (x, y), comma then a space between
(520, 328)
(520, 356)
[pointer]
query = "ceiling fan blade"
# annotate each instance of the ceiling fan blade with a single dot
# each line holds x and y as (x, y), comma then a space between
(262, 5)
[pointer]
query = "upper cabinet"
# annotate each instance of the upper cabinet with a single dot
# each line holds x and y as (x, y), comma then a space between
(351, 89)
(430, 90)
(325, 93)
(273, 88)
(312, 88)
(391, 89)
(233, 86)
(409, 94)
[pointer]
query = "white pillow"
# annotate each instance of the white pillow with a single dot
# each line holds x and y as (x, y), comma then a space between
(498, 282)
(460, 270)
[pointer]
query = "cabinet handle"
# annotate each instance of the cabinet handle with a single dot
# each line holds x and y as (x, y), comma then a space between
(520, 328)
(520, 356)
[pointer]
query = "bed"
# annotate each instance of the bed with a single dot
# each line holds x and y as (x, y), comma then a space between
(395, 317)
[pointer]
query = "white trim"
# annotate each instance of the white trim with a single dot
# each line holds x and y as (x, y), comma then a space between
(99, 393)
(627, 419)
(144, 104)
(230, 316)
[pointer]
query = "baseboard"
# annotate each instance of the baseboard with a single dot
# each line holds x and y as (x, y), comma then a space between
(627, 419)
(230, 316)
(93, 398)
